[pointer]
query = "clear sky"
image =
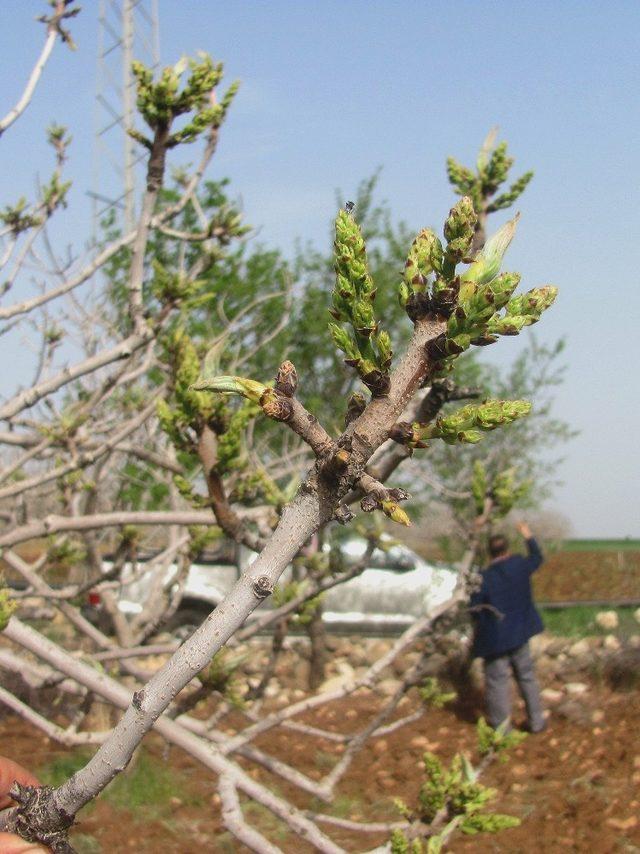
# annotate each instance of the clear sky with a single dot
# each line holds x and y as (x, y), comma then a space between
(332, 90)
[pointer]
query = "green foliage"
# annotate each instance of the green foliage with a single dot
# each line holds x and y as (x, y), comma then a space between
(221, 675)
(498, 740)
(7, 605)
(64, 553)
(284, 593)
(200, 538)
(401, 845)
(58, 771)
(529, 445)
(18, 217)
(488, 823)
(431, 693)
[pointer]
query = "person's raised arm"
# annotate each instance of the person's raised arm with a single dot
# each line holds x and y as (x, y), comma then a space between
(535, 557)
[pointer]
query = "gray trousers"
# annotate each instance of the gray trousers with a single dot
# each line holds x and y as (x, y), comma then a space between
(498, 687)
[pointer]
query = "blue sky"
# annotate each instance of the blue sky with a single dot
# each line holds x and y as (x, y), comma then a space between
(333, 90)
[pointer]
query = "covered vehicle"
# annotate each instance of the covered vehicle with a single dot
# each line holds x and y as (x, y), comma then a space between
(386, 597)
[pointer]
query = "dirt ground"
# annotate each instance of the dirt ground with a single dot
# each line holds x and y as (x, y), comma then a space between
(575, 787)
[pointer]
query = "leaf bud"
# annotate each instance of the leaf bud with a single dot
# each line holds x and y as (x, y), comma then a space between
(486, 265)
(251, 389)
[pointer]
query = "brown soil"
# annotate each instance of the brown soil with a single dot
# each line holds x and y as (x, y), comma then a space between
(575, 787)
(588, 575)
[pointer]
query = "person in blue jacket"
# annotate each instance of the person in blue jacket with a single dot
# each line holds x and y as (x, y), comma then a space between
(505, 618)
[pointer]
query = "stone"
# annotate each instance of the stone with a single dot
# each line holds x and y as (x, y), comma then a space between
(377, 649)
(273, 689)
(421, 742)
(612, 643)
(404, 662)
(556, 646)
(551, 695)
(636, 615)
(388, 687)
(597, 716)
(576, 688)
(634, 641)
(573, 711)
(623, 823)
(434, 664)
(579, 648)
(334, 683)
(607, 620)
(380, 747)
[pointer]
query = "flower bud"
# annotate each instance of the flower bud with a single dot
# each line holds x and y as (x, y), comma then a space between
(344, 341)
(507, 325)
(459, 228)
(424, 257)
(385, 352)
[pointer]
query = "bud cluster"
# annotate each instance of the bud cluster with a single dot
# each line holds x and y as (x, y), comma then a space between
(464, 425)
(420, 295)
(492, 170)
(504, 489)
(161, 102)
(367, 347)
(483, 293)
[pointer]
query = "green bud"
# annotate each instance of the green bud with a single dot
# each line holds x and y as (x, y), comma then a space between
(466, 424)
(403, 294)
(385, 352)
(460, 176)
(497, 168)
(344, 341)
(469, 437)
(424, 257)
(502, 287)
(495, 413)
(534, 302)
(487, 263)
(507, 325)
(363, 317)
(250, 389)
(459, 229)
(507, 199)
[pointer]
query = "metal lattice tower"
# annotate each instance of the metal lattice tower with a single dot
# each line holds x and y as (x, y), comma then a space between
(128, 30)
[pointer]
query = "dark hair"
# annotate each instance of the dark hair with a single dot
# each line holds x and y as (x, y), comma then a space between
(498, 545)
